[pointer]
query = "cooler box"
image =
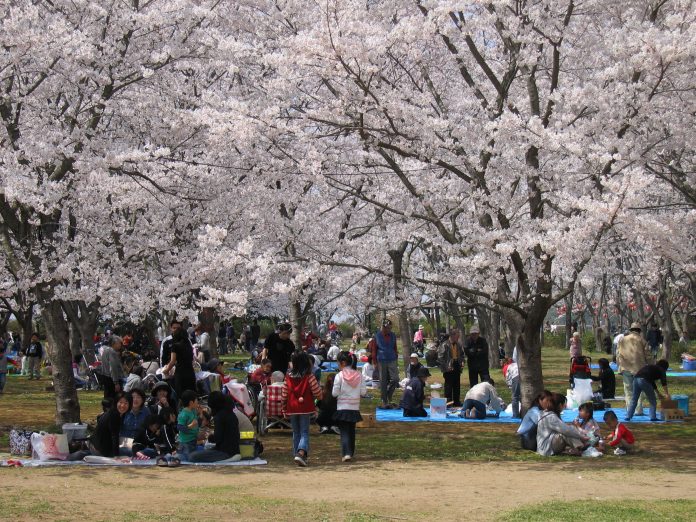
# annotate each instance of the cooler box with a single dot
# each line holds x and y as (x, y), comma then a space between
(75, 430)
(438, 408)
(682, 402)
(247, 444)
(689, 365)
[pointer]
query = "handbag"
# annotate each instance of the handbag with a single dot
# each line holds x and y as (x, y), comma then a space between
(20, 442)
(49, 446)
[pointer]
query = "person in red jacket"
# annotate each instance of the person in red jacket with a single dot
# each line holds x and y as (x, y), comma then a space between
(620, 437)
(262, 374)
(299, 392)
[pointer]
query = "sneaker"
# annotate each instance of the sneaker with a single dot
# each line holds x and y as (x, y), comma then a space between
(619, 452)
(233, 458)
(323, 430)
(336, 430)
(347, 458)
(300, 461)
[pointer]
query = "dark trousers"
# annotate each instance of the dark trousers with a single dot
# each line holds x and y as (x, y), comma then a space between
(476, 372)
(108, 384)
(452, 385)
(415, 412)
(210, 455)
(477, 405)
(347, 438)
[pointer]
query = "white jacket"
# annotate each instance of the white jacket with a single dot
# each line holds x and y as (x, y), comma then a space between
(485, 393)
(348, 387)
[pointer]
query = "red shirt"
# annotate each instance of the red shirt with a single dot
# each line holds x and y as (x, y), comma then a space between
(258, 376)
(622, 432)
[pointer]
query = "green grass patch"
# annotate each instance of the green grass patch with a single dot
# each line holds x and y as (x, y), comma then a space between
(606, 511)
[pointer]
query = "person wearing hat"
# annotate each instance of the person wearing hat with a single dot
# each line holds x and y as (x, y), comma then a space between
(162, 396)
(414, 366)
(632, 354)
(278, 348)
(418, 339)
(450, 359)
(414, 395)
(476, 350)
(386, 354)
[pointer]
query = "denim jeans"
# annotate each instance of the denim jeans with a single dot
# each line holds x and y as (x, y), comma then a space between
(516, 395)
(388, 379)
(210, 455)
(628, 390)
(300, 432)
(477, 405)
(185, 450)
(347, 438)
(641, 385)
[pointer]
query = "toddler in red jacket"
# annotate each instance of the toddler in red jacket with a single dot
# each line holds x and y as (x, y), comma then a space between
(620, 438)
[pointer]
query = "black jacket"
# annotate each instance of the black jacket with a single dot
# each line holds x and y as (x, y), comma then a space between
(413, 370)
(414, 395)
(608, 382)
(145, 439)
(105, 438)
(226, 435)
(476, 352)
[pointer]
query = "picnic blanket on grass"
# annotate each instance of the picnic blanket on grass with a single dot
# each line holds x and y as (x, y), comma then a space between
(134, 463)
(567, 416)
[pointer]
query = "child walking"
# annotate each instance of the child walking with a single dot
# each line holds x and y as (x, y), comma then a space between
(348, 387)
(297, 401)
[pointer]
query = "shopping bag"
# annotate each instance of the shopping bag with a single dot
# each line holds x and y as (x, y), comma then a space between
(49, 446)
(20, 442)
(582, 392)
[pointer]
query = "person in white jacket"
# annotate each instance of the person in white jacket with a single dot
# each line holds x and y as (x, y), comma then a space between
(554, 436)
(478, 398)
(348, 387)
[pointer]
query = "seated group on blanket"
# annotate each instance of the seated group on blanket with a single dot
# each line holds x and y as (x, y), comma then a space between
(134, 426)
(543, 431)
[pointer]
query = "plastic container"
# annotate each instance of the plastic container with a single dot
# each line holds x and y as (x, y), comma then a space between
(682, 402)
(75, 430)
(689, 365)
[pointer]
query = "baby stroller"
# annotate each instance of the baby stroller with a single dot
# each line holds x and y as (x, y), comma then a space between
(269, 413)
(580, 369)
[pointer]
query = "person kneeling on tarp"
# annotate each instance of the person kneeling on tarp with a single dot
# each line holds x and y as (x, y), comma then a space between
(478, 398)
(414, 395)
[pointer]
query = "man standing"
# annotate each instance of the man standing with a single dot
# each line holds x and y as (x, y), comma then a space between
(632, 354)
(222, 339)
(203, 342)
(255, 333)
(34, 355)
(166, 346)
(655, 339)
(386, 354)
(450, 358)
(476, 350)
(111, 368)
(278, 348)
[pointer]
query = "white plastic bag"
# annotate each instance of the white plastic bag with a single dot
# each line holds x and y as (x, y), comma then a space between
(592, 452)
(582, 392)
(49, 446)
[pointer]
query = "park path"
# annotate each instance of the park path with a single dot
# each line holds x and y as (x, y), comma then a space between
(394, 490)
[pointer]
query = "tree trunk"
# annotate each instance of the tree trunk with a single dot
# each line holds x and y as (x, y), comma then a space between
(67, 403)
(495, 329)
(568, 320)
(529, 363)
(75, 340)
(296, 322)
(405, 334)
(207, 319)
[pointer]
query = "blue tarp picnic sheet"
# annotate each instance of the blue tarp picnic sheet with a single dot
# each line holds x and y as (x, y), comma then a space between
(567, 416)
(135, 463)
(681, 374)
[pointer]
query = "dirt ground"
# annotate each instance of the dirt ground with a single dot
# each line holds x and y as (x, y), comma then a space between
(360, 491)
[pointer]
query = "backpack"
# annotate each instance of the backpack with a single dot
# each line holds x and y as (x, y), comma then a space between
(300, 399)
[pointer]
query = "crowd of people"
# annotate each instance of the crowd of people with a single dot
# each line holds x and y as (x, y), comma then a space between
(151, 407)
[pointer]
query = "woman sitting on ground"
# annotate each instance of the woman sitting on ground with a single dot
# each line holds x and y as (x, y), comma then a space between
(105, 440)
(226, 434)
(135, 418)
(162, 396)
(554, 437)
(528, 427)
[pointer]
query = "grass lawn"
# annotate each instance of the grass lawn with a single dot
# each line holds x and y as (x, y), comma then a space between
(391, 449)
